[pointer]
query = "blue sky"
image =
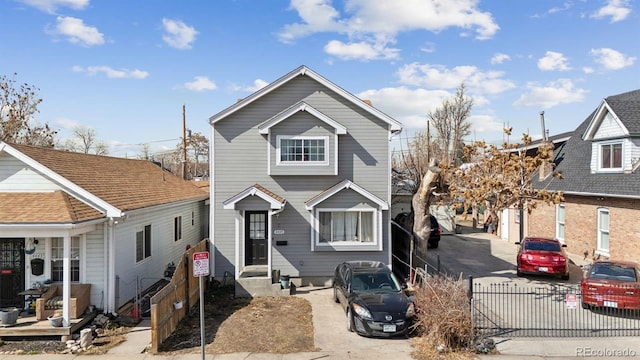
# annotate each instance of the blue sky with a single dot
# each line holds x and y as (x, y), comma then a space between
(126, 68)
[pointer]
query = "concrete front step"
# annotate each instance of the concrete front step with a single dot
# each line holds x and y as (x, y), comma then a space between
(259, 286)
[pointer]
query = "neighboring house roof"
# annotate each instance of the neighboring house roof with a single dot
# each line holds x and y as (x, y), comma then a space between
(305, 71)
(275, 201)
(53, 207)
(344, 184)
(115, 184)
(573, 158)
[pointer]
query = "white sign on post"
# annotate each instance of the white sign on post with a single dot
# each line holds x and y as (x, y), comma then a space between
(201, 264)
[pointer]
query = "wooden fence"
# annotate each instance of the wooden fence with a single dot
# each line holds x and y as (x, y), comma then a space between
(173, 302)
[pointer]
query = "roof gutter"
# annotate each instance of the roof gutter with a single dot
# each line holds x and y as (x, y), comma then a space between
(578, 193)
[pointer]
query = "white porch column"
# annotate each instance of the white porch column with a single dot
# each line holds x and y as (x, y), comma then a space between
(66, 280)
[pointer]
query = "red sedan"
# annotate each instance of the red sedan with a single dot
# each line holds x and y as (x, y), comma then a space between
(542, 256)
(613, 284)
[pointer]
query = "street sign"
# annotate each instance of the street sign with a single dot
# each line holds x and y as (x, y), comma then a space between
(201, 264)
(571, 300)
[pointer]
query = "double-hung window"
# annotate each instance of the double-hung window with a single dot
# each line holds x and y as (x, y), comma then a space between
(603, 231)
(611, 156)
(560, 222)
(305, 150)
(338, 227)
(143, 243)
(57, 257)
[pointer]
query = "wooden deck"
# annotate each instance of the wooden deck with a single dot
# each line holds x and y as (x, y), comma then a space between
(28, 326)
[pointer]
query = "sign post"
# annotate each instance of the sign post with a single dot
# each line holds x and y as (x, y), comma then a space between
(201, 269)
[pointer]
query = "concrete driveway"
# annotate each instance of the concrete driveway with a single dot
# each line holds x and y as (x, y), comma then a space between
(331, 334)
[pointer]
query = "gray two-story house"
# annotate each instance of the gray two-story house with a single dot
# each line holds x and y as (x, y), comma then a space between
(300, 181)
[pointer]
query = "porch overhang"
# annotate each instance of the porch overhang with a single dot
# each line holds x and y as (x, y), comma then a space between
(276, 202)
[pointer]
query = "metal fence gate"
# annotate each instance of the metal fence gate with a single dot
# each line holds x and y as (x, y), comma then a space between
(554, 310)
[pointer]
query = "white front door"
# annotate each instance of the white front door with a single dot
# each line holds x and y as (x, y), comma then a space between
(504, 225)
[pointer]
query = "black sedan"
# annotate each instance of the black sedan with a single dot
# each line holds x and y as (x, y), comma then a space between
(373, 299)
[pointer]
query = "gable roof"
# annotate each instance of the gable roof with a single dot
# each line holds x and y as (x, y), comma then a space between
(573, 158)
(275, 201)
(625, 109)
(301, 106)
(344, 184)
(113, 184)
(305, 71)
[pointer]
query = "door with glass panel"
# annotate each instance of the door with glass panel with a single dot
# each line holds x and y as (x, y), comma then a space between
(255, 249)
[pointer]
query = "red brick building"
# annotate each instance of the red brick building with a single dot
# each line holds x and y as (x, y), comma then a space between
(600, 215)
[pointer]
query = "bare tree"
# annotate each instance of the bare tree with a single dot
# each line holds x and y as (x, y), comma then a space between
(451, 124)
(502, 177)
(85, 140)
(17, 109)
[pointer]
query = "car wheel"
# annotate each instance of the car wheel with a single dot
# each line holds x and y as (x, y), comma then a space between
(519, 274)
(586, 306)
(565, 276)
(350, 325)
(335, 293)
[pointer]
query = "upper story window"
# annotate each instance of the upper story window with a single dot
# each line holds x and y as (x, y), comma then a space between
(303, 150)
(611, 156)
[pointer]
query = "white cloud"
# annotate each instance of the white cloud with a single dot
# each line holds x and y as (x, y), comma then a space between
(178, 34)
(553, 61)
(499, 58)
(201, 83)
(257, 85)
(588, 70)
(50, 6)
(111, 73)
(440, 77)
(77, 32)
(66, 123)
(485, 124)
(377, 23)
(611, 59)
(617, 10)
(561, 91)
(360, 51)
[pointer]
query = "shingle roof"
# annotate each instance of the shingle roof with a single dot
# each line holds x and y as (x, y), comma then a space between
(44, 207)
(573, 158)
(126, 184)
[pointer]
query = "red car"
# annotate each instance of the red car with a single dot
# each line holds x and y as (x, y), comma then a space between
(542, 256)
(613, 284)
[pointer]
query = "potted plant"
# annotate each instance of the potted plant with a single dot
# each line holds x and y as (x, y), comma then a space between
(56, 319)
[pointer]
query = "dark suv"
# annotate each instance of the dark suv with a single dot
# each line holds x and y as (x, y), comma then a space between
(373, 299)
(434, 237)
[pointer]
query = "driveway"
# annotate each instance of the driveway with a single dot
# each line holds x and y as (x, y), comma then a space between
(331, 334)
(489, 259)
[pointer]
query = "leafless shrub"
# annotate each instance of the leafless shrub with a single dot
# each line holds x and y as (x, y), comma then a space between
(443, 321)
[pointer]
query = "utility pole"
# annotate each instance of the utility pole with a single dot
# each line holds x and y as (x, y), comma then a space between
(184, 144)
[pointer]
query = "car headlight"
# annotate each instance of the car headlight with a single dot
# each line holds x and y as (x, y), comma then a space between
(362, 312)
(411, 310)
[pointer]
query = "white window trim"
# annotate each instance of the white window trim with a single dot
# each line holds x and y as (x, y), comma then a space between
(599, 249)
(177, 220)
(82, 254)
(608, 143)
(375, 245)
(563, 222)
(279, 138)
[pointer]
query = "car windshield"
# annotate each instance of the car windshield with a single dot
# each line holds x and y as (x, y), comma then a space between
(542, 245)
(376, 282)
(613, 272)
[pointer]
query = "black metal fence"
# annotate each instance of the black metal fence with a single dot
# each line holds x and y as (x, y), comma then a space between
(553, 310)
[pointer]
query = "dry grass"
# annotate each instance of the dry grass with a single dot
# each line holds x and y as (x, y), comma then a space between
(260, 325)
(443, 326)
(268, 324)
